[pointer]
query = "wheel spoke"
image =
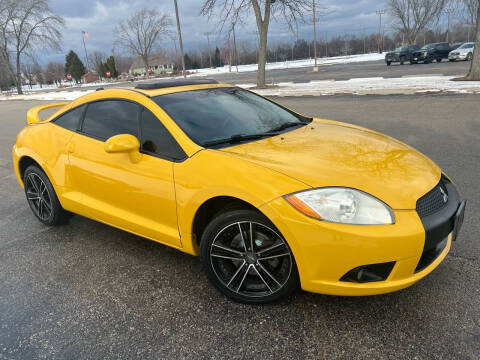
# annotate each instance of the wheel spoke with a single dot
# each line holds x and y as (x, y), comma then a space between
(32, 196)
(268, 273)
(40, 207)
(243, 278)
(227, 249)
(236, 273)
(226, 257)
(273, 256)
(31, 177)
(274, 246)
(47, 206)
(251, 237)
(243, 239)
(261, 277)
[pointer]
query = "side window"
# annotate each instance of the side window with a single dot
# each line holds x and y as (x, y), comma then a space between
(104, 119)
(71, 119)
(157, 140)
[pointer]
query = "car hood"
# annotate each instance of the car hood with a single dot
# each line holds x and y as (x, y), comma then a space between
(328, 153)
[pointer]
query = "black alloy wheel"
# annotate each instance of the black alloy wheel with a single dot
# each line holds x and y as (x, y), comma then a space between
(247, 259)
(42, 199)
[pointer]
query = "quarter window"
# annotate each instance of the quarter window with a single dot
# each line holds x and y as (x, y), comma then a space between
(104, 119)
(71, 119)
(157, 140)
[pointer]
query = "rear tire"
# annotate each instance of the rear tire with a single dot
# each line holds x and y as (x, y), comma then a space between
(439, 60)
(412, 62)
(402, 60)
(247, 259)
(451, 60)
(389, 63)
(42, 199)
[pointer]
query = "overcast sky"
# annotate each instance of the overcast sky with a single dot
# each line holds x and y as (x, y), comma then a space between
(99, 18)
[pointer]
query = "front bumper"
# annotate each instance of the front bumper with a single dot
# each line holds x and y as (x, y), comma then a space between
(325, 252)
(459, 56)
(419, 57)
(392, 58)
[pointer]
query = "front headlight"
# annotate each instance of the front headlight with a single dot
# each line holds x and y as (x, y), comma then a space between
(342, 205)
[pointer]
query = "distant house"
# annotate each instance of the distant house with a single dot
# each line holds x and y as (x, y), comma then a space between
(90, 77)
(158, 63)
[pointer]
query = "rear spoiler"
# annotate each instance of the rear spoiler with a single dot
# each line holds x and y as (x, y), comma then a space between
(33, 113)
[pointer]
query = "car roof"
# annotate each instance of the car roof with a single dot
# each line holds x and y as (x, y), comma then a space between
(162, 87)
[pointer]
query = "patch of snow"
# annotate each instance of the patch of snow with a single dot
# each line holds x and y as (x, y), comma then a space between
(373, 86)
(292, 64)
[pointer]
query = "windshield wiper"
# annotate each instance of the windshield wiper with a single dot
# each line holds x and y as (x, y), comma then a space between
(286, 126)
(235, 139)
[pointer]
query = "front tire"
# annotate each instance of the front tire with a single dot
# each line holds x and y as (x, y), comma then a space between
(439, 60)
(42, 199)
(402, 60)
(469, 57)
(247, 259)
(389, 63)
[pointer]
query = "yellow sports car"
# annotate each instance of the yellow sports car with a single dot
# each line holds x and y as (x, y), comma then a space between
(270, 199)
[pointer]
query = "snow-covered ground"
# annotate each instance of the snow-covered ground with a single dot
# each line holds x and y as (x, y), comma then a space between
(358, 86)
(373, 86)
(293, 64)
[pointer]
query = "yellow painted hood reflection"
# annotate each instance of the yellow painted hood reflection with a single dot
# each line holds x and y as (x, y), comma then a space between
(328, 153)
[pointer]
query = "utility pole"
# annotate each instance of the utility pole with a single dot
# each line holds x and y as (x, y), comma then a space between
(380, 37)
(234, 46)
(180, 39)
(449, 12)
(209, 53)
(326, 44)
(315, 67)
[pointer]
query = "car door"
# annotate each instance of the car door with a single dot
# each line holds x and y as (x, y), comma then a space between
(137, 197)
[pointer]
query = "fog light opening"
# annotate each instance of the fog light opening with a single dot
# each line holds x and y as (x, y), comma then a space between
(369, 273)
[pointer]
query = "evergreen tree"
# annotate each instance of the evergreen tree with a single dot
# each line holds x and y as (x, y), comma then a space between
(74, 66)
(217, 61)
(110, 66)
(188, 62)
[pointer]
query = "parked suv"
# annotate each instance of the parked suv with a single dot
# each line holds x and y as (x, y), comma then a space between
(401, 54)
(431, 52)
(464, 52)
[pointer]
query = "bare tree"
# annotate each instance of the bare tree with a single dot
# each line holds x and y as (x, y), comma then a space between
(54, 73)
(474, 73)
(141, 33)
(471, 10)
(236, 11)
(26, 26)
(96, 59)
(413, 16)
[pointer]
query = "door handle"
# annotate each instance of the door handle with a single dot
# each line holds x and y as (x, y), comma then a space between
(71, 147)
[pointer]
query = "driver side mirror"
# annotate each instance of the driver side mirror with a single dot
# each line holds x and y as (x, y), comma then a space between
(125, 143)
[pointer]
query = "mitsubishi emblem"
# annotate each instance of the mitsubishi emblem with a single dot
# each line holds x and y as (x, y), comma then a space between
(444, 195)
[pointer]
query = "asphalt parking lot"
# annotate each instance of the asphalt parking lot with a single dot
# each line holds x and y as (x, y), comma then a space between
(86, 290)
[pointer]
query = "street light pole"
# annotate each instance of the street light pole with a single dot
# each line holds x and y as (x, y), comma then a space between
(234, 46)
(380, 37)
(315, 67)
(180, 39)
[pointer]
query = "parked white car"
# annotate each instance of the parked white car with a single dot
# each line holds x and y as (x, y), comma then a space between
(464, 52)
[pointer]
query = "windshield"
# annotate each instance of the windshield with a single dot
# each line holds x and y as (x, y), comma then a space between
(466, 46)
(402, 48)
(220, 113)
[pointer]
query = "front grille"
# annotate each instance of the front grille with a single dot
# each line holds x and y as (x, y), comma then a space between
(432, 201)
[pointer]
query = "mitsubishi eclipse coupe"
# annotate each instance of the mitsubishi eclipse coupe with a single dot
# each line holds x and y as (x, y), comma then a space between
(269, 199)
